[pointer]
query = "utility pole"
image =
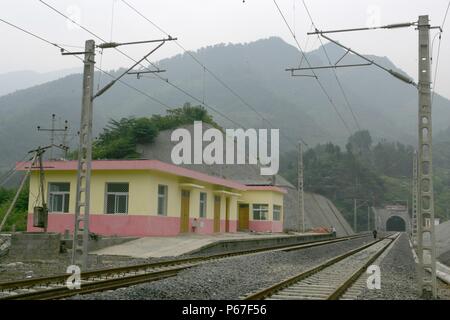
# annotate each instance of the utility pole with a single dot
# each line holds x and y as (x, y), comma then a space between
(426, 236)
(64, 140)
(414, 201)
(355, 213)
(52, 131)
(52, 135)
(426, 241)
(82, 204)
(19, 190)
(40, 153)
(300, 186)
(81, 229)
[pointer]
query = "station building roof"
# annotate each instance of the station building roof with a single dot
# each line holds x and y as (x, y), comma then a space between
(155, 165)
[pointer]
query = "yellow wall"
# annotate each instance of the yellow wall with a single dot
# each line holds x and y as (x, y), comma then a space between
(270, 198)
(143, 192)
(53, 176)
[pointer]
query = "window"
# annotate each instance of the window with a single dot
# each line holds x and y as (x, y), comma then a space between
(276, 213)
(260, 211)
(59, 195)
(162, 200)
(202, 205)
(116, 198)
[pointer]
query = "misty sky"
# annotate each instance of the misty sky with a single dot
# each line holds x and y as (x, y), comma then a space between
(199, 23)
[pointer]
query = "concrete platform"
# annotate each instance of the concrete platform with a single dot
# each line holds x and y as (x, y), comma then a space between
(156, 247)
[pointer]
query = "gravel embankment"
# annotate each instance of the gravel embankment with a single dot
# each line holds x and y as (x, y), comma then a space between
(231, 278)
(5, 242)
(398, 275)
(445, 258)
(13, 269)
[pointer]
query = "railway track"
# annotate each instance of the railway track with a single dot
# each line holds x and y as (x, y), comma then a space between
(54, 287)
(329, 280)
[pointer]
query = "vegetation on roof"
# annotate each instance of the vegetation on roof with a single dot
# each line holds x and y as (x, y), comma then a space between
(120, 137)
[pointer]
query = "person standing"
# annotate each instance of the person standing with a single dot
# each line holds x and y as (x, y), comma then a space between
(374, 232)
(333, 231)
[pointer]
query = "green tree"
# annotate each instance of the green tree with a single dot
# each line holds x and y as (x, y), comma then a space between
(360, 143)
(18, 216)
(120, 137)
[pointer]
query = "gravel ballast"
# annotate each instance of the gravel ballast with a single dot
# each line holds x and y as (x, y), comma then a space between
(13, 269)
(231, 278)
(398, 275)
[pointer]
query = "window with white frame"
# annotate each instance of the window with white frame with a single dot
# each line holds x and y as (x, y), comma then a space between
(203, 197)
(162, 200)
(117, 198)
(276, 213)
(260, 211)
(58, 196)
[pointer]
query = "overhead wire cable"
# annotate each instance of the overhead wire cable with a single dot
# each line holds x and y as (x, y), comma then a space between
(185, 92)
(439, 52)
(213, 74)
(341, 87)
(327, 95)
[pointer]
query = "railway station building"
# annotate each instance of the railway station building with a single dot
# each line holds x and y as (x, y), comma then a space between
(154, 198)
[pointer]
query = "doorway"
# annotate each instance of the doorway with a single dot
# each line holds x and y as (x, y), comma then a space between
(217, 203)
(185, 202)
(227, 215)
(244, 211)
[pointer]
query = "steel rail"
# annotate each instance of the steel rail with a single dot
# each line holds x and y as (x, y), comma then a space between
(124, 272)
(24, 283)
(96, 286)
(346, 284)
(272, 290)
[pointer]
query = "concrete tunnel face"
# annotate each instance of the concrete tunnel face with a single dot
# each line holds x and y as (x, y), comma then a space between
(396, 223)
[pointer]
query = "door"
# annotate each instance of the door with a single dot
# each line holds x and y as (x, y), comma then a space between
(244, 217)
(184, 221)
(217, 214)
(227, 215)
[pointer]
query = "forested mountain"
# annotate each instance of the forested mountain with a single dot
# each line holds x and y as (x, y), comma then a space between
(380, 173)
(296, 105)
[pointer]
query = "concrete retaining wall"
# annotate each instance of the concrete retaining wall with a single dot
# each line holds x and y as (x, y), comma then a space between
(32, 246)
(5, 243)
(224, 246)
(100, 243)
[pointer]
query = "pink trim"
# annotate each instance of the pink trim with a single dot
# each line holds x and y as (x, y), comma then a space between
(208, 226)
(149, 165)
(277, 226)
(109, 225)
(265, 226)
(232, 224)
(136, 165)
(266, 188)
(127, 225)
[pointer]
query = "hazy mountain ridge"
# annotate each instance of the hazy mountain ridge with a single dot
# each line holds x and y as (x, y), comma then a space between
(18, 80)
(296, 105)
